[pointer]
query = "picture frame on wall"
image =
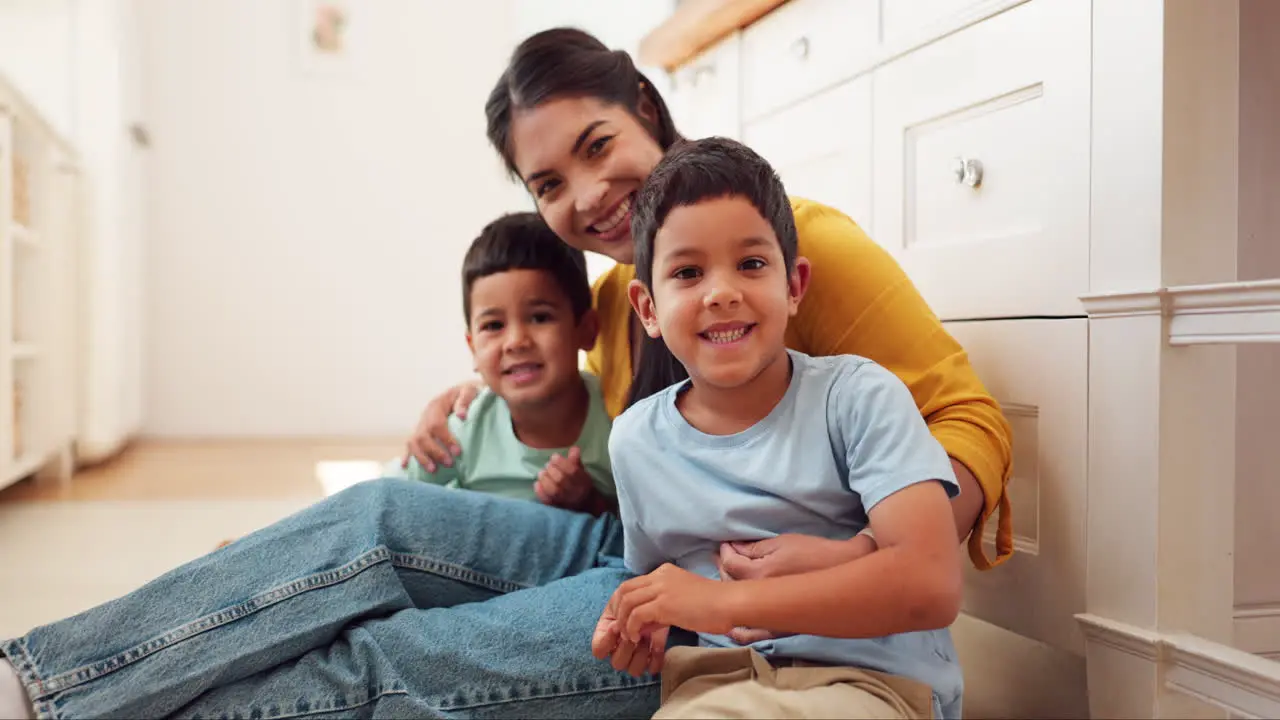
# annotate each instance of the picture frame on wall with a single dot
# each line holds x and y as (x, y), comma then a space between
(322, 30)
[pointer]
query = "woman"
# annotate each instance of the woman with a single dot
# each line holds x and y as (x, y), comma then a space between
(582, 129)
(400, 599)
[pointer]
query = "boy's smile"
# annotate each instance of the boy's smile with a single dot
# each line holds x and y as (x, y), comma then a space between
(524, 336)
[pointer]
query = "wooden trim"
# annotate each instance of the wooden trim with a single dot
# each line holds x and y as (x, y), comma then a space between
(697, 24)
(1222, 676)
(1225, 313)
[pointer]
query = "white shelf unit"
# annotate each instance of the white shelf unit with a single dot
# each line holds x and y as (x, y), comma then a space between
(40, 217)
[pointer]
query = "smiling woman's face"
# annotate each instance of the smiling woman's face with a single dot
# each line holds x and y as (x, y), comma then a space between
(583, 160)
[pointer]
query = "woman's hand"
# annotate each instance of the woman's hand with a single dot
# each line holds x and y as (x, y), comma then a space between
(789, 554)
(432, 442)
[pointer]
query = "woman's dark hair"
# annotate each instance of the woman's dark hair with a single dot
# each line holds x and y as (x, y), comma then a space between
(692, 172)
(567, 62)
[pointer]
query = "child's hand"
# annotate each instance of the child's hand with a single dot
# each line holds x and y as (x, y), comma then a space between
(635, 658)
(564, 483)
(672, 596)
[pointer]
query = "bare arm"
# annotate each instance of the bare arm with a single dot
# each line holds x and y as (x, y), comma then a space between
(912, 584)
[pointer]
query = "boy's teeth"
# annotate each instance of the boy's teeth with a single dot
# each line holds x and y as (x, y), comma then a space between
(726, 336)
(612, 221)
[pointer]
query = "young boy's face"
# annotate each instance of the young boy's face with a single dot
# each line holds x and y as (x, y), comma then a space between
(721, 295)
(523, 336)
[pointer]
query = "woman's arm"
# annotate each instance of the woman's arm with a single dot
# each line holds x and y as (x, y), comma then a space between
(432, 443)
(861, 302)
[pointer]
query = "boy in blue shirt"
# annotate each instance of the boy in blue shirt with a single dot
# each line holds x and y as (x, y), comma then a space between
(748, 440)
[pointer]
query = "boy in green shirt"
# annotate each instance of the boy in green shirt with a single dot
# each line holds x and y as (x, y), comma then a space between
(539, 431)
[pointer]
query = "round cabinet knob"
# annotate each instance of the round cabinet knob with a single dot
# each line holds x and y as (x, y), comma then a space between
(800, 48)
(703, 73)
(968, 171)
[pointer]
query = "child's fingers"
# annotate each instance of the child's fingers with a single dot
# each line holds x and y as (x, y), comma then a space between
(641, 659)
(622, 654)
(575, 455)
(643, 613)
(562, 464)
(605, 639)
(544, 488)
(746, 636)
(657, 650)
(554, 481)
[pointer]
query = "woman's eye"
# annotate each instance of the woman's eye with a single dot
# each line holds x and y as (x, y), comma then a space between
(753, 264)
(596, 147)
(546, 187)
(685, 273)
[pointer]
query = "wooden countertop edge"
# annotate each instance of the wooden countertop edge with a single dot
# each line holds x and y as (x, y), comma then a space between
(697, 24)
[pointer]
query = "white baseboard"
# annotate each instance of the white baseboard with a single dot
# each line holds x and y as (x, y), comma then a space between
(1241, 682)
(1257, 630)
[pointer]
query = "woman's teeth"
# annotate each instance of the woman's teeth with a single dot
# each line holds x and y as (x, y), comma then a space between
(616, 217)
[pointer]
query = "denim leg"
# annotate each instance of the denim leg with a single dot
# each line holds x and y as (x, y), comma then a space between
(368, 552)
(523, 655)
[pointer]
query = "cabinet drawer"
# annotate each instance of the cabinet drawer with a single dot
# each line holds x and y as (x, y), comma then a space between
(1038, 371)
(805, 46)
(706, 90)
(821, 148)
(909, 22)
(1009, 97)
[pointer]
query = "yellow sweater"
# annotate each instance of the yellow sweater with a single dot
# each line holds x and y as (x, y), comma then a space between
(860, 302)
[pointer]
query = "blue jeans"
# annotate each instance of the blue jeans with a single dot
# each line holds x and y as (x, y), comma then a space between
(390, 599)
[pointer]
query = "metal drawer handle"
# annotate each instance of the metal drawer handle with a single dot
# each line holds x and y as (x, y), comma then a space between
(705, 72)
(800, 48)
(968, 171)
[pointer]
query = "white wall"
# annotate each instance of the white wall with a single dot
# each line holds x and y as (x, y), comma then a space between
(35, 54)
(306, 231)
(1257, 584)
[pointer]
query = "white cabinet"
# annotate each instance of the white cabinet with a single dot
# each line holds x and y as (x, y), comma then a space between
(1038, 371)
(38, 201)
(705, 97)
(821, 148)
(805, 47)
(982, 164)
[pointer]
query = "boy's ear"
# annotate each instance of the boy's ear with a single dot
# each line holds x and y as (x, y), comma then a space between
(642, 302)
(798, 283)
(472, 347)
(588, 329)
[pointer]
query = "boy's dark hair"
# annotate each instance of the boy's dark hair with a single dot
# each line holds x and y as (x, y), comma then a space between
(568, 62)
(523, 241)
(695, 171)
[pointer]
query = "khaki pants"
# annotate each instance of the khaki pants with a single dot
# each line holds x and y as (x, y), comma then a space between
(740, 683)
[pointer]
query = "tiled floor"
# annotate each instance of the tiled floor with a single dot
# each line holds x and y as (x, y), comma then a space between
(117, 526)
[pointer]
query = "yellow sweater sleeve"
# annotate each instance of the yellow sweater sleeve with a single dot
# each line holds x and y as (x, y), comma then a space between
(595, 356)
(861, 302)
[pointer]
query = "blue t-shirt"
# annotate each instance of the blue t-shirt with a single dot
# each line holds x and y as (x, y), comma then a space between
(846, 435)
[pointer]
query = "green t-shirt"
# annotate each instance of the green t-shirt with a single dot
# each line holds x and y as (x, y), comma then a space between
(494, 461)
